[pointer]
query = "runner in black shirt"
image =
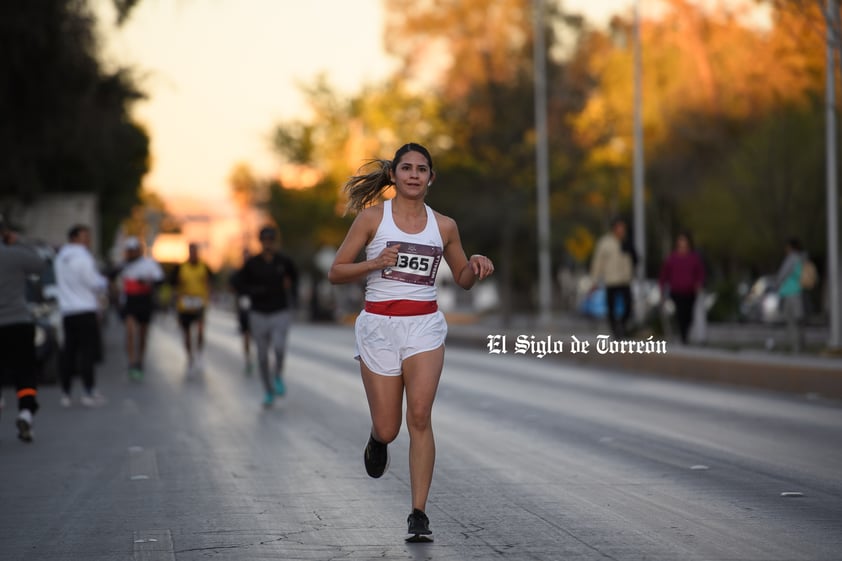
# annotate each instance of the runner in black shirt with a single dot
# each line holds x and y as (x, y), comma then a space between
(270, 280)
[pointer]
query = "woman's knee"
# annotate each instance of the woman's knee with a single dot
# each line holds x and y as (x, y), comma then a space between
(418, 418)
(386, 431)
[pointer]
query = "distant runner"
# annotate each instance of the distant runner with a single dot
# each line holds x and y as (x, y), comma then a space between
(191, 282)
(270, 280)
(138, 277)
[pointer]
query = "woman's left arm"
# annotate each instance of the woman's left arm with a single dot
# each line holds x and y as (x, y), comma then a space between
(466, 272)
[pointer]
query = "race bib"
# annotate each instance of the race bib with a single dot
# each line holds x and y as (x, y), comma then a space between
(191, 303)
(417, 264)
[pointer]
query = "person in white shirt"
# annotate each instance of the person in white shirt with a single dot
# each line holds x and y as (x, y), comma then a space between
(80, 286)
(138, 277)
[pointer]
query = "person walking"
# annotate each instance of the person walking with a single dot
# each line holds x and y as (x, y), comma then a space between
(17, 326)
(681, 279)
(191, 282)
(400, 333)
(138, 277)
(788, 285)
(270, 280)
(613, 266)
(80, 286)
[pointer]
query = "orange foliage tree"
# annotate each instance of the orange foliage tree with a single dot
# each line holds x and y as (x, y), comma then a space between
(711, 79)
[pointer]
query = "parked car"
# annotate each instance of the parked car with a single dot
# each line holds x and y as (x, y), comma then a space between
(42, 299)
(761, 303)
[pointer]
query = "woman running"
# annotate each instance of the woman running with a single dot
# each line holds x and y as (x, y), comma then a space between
(400, 334)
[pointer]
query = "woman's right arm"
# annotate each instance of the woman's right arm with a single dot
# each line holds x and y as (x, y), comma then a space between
(345, 266)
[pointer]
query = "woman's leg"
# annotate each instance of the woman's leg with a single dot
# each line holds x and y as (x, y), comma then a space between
(684, 313)
(421, 375)
(385, 403)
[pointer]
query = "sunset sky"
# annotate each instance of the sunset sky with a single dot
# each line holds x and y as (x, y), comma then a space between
(221, 73)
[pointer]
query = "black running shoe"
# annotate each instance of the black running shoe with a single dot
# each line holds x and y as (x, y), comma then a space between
(419, 525)
(376, 457)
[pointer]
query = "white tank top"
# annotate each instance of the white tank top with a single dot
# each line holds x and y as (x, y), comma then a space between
(414, 275)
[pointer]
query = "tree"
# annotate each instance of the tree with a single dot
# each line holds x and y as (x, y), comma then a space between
(342, 135)
(764, 192)
(486, 90)
(475, 114)
(711, 81)
(66, 125)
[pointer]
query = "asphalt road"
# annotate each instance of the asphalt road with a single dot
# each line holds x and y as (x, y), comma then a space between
(537, 460)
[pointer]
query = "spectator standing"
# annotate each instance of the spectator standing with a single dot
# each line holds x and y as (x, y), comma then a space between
(788, 285)
(681, 279)
(613, 266)
(17, 326)
(80, 286)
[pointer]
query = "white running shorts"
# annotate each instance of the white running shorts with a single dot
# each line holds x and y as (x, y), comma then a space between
(384, 342)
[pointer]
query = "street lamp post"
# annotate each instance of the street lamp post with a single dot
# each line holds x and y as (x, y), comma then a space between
(835, 338)
(542, 165)
(638, 173)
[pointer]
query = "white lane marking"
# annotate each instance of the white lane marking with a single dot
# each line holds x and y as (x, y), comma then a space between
(143, 464)
(153, 545)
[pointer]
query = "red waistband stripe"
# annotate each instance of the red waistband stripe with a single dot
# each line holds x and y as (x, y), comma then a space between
(401, 307)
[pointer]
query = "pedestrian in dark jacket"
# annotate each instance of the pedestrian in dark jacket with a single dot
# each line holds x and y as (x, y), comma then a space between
(17, 325)
(681, 279)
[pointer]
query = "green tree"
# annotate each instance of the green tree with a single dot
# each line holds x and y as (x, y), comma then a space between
(766, 190)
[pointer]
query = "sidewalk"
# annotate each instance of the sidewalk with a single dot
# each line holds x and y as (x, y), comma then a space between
(735, 353)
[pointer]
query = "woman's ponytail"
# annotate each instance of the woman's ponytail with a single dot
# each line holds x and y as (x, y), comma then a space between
(365, 189)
